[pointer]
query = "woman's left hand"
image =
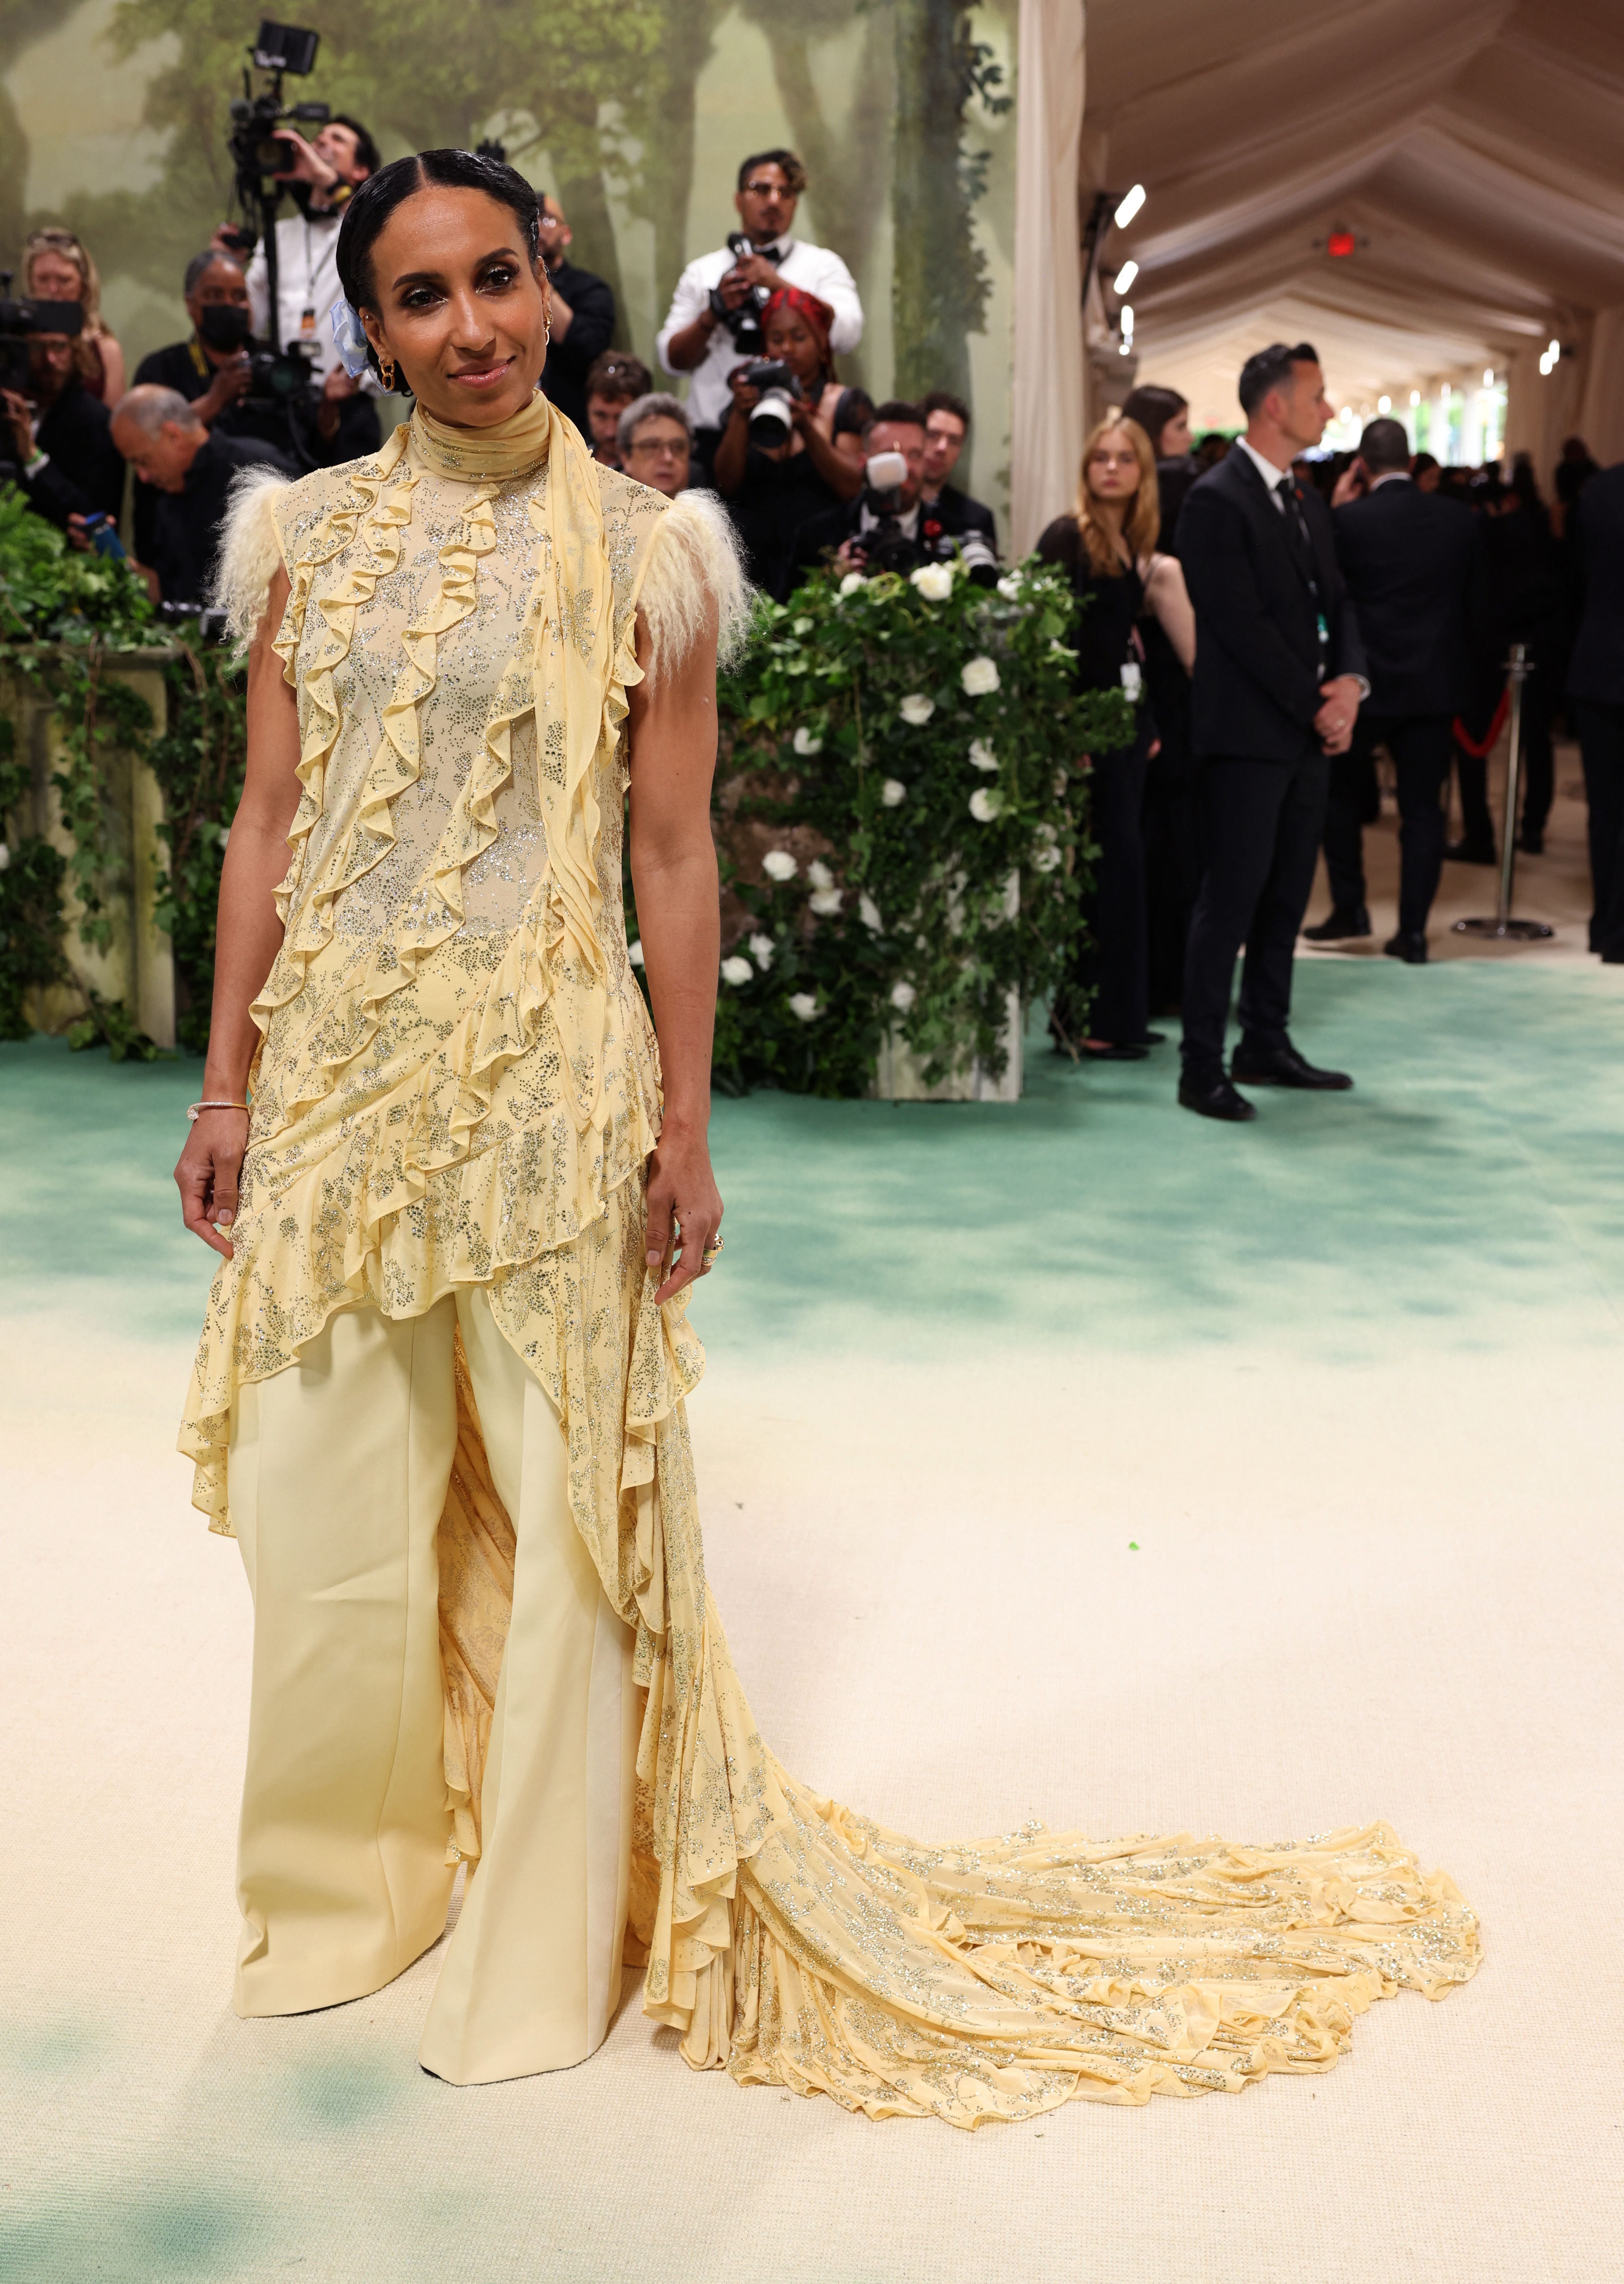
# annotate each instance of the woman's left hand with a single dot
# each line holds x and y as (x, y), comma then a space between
(685, 1209)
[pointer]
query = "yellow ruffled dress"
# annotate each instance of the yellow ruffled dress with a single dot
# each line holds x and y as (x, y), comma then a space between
(458, 1085)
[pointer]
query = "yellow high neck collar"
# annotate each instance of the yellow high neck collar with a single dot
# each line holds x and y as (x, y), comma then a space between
(514, 447)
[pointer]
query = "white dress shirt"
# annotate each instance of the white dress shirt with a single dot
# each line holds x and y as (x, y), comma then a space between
(1266, 469)
(812, 268)
(308, 290)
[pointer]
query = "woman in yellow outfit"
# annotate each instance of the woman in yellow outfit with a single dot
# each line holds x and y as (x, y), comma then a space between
(439, 1394)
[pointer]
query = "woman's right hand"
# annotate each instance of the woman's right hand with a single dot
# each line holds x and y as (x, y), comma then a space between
(744, 398)
(207, 1173)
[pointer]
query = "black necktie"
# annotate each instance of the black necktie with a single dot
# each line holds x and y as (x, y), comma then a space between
(1294, 522)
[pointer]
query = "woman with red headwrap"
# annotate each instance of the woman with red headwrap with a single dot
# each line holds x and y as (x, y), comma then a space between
(772, 488)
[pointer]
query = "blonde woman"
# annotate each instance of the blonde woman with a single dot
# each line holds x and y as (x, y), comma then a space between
(1108, 546)
(58, 268)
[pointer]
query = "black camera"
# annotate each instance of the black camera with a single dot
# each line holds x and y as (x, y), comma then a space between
(258, 152)
(770, 422)
(745, 323)
(19, 320)
(280, 378)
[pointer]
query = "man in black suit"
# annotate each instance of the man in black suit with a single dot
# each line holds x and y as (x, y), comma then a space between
(583, 319)
(1596, 691)
(947, 424)
(1410, 563)
(1279, 674)
(897, 522)
(193, 469)
(58, 438)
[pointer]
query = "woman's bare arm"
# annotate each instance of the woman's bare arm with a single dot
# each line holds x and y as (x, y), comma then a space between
(248, 933)
(673, 734)
(1168, 596)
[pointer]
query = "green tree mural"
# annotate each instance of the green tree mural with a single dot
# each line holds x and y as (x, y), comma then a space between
(939, 274)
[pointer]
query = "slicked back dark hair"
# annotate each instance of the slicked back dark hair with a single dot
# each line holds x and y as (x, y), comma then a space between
(894, 413)
(380, 195)
(1384, 446)
(1271, 368)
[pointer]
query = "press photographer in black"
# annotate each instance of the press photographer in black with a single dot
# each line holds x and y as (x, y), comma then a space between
(191, 470)
(56, 434)
(887, 525)
(582, 318)
(792, 446)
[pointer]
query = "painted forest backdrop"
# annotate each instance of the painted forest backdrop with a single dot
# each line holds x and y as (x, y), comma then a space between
(636, 113)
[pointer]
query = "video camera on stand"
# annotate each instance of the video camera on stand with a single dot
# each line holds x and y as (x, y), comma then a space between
(282, 376)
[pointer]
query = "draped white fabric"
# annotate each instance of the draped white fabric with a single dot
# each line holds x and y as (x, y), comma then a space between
(1046, 402)
(1469, 145)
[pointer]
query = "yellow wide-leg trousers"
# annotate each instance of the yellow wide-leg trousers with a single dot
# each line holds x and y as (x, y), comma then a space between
(338, 1471)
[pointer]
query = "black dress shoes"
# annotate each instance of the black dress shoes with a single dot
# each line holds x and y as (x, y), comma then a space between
(1113, 1051)
(1468, 851)
(1409, 944)
(1531, 843)
(1342, 921)
(1215, 1098)
(1283, 1065)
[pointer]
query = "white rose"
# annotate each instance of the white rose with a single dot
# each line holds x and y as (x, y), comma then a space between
(893, 792)
(804, 1004)
(801, 626)
(983, 805)
(981, 754)
(851, 582)
(5, 856)
(916, 709)
(1045, 860)
(762, 950)
(807, 741)
(1008, 586)
(824, 902)
(868, 912)
(634, 953)
(902, 996)
(819, 874)
(979, 677)
(778, 864)
(736, 971)
(934, 581)
(225, 835)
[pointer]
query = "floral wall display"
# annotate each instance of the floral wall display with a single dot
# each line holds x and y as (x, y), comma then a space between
(902, 821)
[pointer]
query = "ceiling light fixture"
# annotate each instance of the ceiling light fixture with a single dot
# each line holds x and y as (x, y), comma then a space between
(1415, 398)
(1384, 404)
(1126, 320)
(1125, 276)
(1130, 207)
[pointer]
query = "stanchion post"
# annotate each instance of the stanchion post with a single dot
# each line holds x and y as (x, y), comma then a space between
(1502, 926)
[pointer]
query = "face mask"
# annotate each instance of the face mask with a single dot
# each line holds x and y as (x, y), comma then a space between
(223, 326)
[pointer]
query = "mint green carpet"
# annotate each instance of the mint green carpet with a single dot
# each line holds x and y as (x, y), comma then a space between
(1470, 1179)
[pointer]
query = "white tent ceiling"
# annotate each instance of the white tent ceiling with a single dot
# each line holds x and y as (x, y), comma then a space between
(1472, 147)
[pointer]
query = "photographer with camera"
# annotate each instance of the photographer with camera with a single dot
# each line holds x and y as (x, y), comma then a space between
(792, 446)
(321, 175)
(887, 525)
(718, 310)
(56, 435)
(193, 469)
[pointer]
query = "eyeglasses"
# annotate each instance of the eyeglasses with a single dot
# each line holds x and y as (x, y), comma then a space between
(768, 190)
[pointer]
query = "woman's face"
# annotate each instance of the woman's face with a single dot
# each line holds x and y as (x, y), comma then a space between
(53, 277)
(1113, 467)
(1175, 439)
(789, 337)
(459, 305)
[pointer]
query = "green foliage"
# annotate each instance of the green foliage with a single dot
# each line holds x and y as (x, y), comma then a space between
(31, 875)
(199, 762)
(938, 862)
(940, 285)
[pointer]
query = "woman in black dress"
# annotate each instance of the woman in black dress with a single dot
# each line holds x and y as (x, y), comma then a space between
(771, 490)
(1108, 548)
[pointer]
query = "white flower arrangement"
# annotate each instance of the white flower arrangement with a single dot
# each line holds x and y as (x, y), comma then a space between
(761, 949)
(983, 805)
(825, 902)
(634, 953)
(1008, 586)
(819, 874)
(803, 1005)
(979, 677)
(736, 971)
(934, 581)
(868, 912)
(778, 864)
(981, 754)
(803, 626)
(916, 709)
(893, 792)
(1046, 849)
(807, 741)
(851, 582)
(902, 996)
